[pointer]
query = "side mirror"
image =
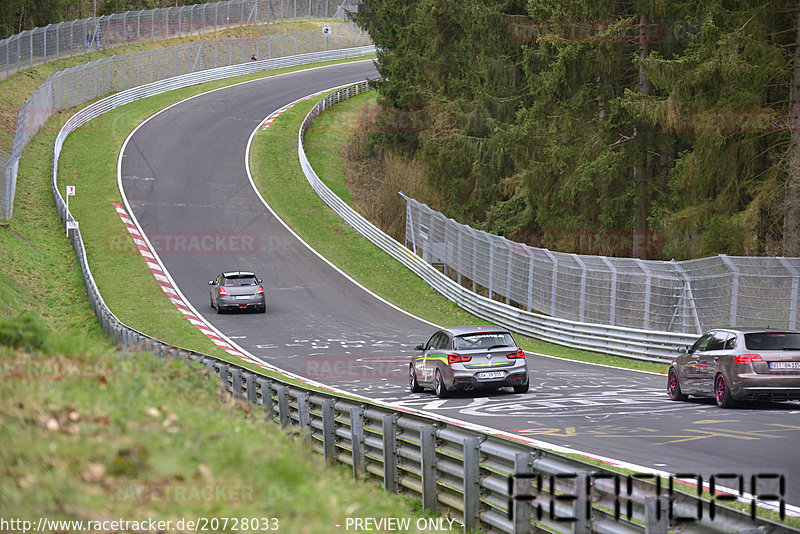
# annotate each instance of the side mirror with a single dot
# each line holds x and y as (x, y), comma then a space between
(683, 349)
(419, 347)
(212, 282)
(259, 280)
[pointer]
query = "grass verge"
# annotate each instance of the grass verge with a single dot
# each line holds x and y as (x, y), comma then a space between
(93, 435)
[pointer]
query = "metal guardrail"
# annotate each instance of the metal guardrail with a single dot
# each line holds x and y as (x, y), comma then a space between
(628, 342)
(481, 477)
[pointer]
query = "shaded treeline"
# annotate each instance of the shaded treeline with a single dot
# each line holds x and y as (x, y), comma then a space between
(556, 122)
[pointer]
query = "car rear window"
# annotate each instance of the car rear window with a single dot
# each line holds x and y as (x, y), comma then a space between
(243, 281)
(484, 341)
(772, 341)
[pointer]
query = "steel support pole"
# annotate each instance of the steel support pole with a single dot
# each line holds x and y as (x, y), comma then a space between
(428, 456)
(472, 483)
(357, 441)
(389, 428)
(329, 431)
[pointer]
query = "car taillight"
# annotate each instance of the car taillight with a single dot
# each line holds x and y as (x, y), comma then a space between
(222, 291)
(260, 290)
(455, 358)
(747, 358)
(520, 354)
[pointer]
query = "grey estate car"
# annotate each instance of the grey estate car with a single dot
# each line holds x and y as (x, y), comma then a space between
(743, 364)
(468, 358)
(237, 290)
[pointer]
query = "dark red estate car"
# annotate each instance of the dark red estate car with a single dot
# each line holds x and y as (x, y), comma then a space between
(733, 365)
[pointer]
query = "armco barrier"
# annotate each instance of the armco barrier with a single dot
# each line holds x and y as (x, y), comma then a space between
(629, 342)
(469, 471)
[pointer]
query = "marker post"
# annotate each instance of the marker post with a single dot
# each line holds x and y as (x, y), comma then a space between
(70, 193)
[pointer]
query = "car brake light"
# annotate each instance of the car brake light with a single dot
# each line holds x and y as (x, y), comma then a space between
(747, 358)
(520, 354)
(260, 290)
(222, 291)
(455, 358)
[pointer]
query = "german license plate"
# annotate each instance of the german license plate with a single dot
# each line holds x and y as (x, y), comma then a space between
(491, 374)
(243, 297)
(784, 365)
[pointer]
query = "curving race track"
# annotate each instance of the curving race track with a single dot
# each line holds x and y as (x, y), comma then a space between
(184, 174)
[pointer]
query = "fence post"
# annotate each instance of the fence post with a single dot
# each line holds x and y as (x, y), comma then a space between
(427, 434)
(520, 492)
(266, 397)
(735, 287)
(357, 438)
(581, 504)
(656, 520)
(472, 488)
(223, 377)
(250, 384)
(304, 414)
(647, 292)
(237, 382)
(328, 431)
(389, 428)
(612, 304)
(283, 406)
(795, 289)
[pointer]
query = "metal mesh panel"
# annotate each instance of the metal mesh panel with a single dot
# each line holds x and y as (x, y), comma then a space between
(54, 41)
(77, 85)
(687, 297)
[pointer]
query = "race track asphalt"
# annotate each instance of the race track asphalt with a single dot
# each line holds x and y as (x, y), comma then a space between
(183, 173)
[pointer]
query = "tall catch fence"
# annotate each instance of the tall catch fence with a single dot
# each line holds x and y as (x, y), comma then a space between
(64, 39)
(670, 296)
(77, 85)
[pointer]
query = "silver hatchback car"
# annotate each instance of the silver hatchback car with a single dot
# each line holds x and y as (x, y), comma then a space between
(732, 365)
(237, 290)
(468, 358)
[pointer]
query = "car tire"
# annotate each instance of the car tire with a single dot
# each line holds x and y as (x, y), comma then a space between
(674, 387)
(722, 393)
(413, 384)
(522, 388)
(438, 386)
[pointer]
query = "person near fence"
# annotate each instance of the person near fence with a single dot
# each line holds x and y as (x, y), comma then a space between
(253, 58)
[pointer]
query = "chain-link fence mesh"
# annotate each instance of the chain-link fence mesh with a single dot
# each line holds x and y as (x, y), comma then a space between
(76, 37)
(77, 85)
(672, 296)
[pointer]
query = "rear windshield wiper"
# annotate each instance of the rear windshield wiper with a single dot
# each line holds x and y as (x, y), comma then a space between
(496, 347)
